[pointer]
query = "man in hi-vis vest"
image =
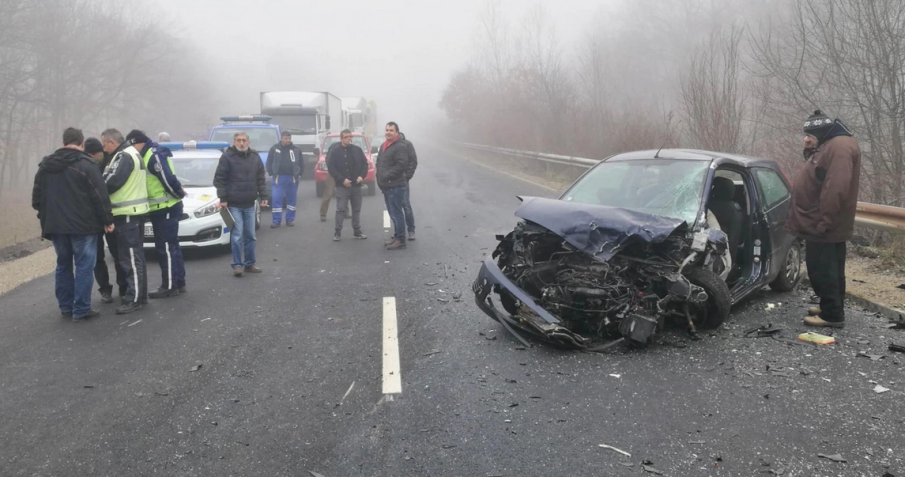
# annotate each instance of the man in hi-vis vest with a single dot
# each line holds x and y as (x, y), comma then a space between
(165, 195)
(127, 185)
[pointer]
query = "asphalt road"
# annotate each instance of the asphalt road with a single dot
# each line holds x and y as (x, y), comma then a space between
(290, 377)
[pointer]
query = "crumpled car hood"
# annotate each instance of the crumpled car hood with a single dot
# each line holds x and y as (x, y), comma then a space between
(597, 230)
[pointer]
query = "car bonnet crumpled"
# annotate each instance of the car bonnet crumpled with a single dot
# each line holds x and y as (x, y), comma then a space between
(597, 230)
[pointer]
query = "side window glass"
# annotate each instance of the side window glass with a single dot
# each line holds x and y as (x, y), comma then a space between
(773, 187)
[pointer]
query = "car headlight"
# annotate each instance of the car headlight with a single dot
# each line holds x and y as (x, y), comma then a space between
(322, 166)
(209, 209)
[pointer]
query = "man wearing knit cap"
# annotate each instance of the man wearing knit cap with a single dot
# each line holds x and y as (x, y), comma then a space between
(824, 197)
(95, 149)
(165, 195)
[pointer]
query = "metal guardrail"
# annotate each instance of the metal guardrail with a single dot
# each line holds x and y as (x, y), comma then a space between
(872, 216)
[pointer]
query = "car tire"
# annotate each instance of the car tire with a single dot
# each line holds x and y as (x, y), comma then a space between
(257, 216)
(790, 275)
(372, 188)
(715, 310)
(319, 188)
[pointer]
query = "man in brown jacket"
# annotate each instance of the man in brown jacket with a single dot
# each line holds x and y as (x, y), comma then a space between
(824, 197)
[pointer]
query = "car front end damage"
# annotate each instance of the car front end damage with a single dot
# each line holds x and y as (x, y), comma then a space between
(581, 276)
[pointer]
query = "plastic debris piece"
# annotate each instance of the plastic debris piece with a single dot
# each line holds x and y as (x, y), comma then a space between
(816, 338)
(833, 457)
(196, 368)
(614, 449)
(651, 469)
(615, 375)
(880, 389)
(896, 348)
(315, 474)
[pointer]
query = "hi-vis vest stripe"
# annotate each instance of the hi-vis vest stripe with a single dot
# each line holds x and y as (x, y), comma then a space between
(132, 197)
(158, 196)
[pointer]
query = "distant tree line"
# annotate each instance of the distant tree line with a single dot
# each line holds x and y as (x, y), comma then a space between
(91, 65)
(732, 76)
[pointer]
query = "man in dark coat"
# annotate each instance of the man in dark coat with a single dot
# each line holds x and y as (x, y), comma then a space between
(393, 165)
(73, 207)
(240, 181)
(824, 197)
(348, 167)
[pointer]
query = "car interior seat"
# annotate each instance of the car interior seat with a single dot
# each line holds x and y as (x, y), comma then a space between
(727, 211)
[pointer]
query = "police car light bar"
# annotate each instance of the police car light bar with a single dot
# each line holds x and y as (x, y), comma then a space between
(190, 145)
(248, 117)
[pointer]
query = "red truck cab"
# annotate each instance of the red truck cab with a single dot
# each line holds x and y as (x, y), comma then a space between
(320, 170)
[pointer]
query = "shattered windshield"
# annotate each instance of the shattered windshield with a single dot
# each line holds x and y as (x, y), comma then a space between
(664, 187)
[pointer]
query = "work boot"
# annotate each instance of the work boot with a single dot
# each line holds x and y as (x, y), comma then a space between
(106, 297)
(818, 321)
(128, 308)
(337, 237)
(290, 224)
(90, 314)
(237, 270)
(814, 311)
(411, 235)
(396, 245)
(253, 269)
(163, 292)
(389, 242)
(274, 226)
(359, 235)
(66, 314)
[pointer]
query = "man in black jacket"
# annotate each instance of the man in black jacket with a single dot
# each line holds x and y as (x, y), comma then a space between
(284, 165)
(348, 167)
(407, 201)
(73, 207)
(240, 181)
(393, 165)
(95, 149)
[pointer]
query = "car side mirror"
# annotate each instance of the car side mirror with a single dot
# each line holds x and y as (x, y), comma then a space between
(328, 122)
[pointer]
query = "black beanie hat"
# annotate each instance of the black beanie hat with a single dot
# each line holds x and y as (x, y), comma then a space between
(93, 146)
(818, 124)
(137, 137)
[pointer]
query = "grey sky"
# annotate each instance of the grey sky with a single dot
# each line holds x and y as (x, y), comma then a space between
(400, 53)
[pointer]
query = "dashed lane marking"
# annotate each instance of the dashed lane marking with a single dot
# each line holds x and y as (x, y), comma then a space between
(392, 380)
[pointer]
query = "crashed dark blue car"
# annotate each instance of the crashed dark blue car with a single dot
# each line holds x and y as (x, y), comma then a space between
(638, 239)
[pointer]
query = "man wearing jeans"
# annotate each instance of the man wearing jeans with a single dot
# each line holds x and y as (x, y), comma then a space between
(73, 207)
(347, 166)
(240, 180)
(392, 166)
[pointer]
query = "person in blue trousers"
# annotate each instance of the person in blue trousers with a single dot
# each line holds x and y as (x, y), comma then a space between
(284, 165)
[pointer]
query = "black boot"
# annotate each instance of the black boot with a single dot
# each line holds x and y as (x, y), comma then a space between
(129, 308)
(163, 292)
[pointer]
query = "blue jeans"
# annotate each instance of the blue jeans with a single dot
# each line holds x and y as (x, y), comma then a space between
(407, 208)
(395, 199)
(74, 293)
(242, 236)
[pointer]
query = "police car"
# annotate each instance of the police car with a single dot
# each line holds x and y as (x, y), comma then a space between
(201, 224)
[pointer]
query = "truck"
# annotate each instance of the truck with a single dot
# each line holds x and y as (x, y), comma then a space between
(308, 116)
(355, 110)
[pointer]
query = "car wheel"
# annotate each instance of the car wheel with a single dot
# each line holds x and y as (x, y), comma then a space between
(319, 188)
(257, 216)
(713, 312)
(372, 188)
(790, 275)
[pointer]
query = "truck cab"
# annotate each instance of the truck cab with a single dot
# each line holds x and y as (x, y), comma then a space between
(307, 116)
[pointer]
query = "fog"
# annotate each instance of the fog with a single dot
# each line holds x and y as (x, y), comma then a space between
(399, 53)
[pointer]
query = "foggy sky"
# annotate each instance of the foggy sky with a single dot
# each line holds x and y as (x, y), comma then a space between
(399, 53)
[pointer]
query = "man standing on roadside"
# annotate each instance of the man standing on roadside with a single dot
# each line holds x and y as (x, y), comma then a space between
(73, 207)
(348, 167)
(824, 197)
(392, 169)
(165, 194)
(284, 165)
(240, 180)
(95, 149)
(407, 201)
(127, 185)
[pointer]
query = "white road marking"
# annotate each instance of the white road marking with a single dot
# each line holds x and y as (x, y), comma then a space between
(386, 219)
(392, 379)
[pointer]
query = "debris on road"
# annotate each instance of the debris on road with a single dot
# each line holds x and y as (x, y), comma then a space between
(432, 352)
(89, 386)
(196, 367)
(816, 338)
(880, 389)
(833, 457)
(873, 357)
(315, 474)
(614, 449)
(763, 331)
(896, 348)
(651, 469)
